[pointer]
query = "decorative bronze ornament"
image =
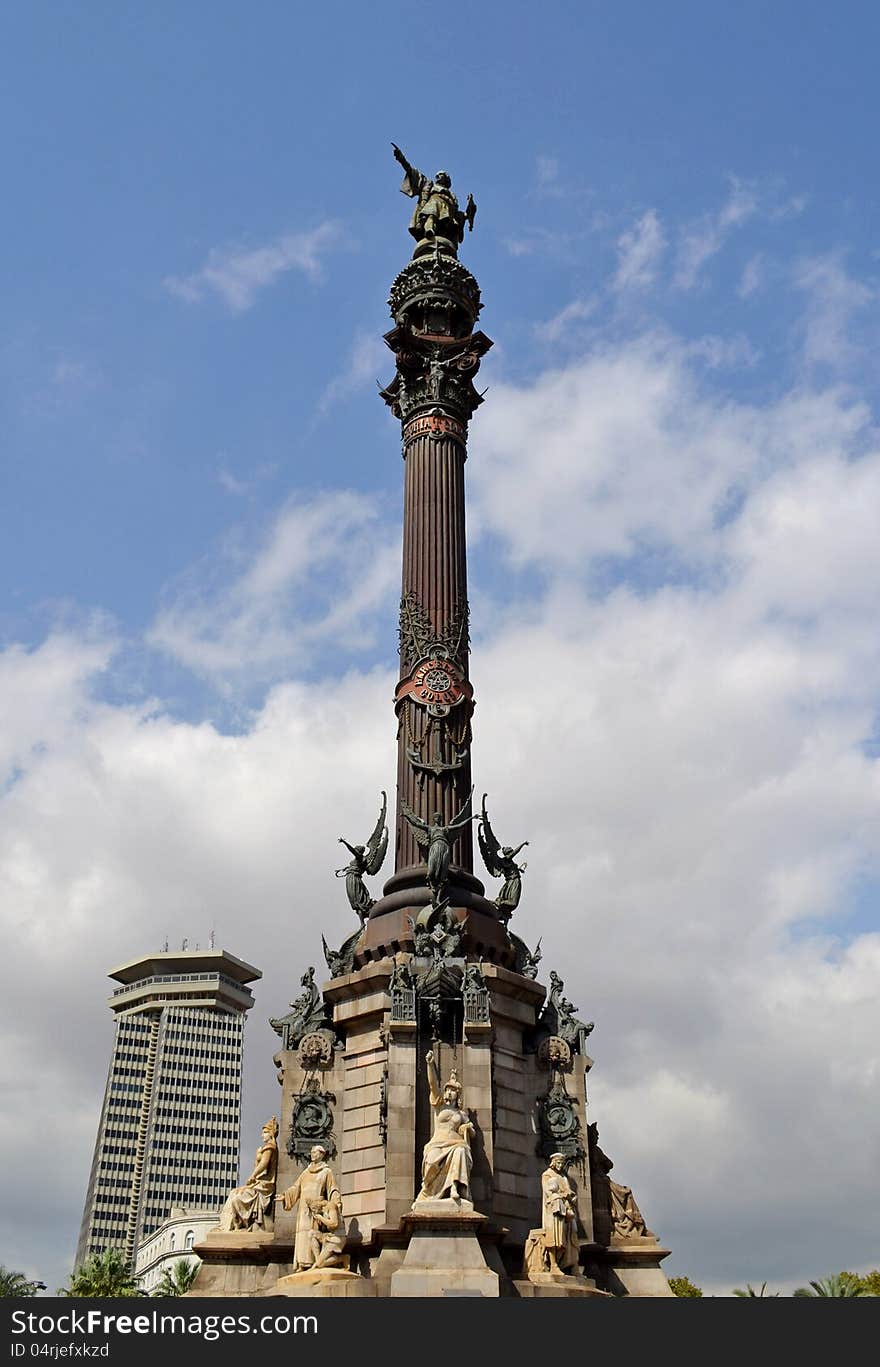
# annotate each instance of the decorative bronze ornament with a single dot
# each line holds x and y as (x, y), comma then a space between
(315, 1051)
(312, 1121)
(437, 680)
(434, 424)
(554, 1054)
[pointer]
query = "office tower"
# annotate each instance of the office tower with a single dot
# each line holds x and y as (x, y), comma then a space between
(169, 1128)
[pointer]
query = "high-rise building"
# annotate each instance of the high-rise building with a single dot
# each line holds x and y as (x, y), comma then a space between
(169, 1128)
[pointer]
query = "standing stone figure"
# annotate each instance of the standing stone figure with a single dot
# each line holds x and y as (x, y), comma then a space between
(435, 841)
(559, 1217)
(447, 1159)
(365, 859)
(437, 213)
(312, 1190)
(247, 1207)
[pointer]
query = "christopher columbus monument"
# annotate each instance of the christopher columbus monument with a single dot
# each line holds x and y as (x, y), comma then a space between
(433, 1134)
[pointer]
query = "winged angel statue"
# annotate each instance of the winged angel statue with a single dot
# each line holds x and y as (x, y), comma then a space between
(365, 859)
(500, 861)
(435, 842)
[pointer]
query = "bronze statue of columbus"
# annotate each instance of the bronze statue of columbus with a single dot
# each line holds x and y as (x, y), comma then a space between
(436, 214)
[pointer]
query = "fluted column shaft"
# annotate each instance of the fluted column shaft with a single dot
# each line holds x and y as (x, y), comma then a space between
(435, 572)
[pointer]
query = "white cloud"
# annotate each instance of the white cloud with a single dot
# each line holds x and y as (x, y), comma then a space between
(557, 326)
(792, 207)
(542, 242)
(633, 455)
(44, 690)
(705, 238)
(369, 357)
(834, 300)
(237, 487)
(237, 274)
(316, 578)
(638, 251)
(752, 277)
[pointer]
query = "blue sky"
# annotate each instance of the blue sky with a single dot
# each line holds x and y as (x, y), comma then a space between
(138, 142)
(672, 509)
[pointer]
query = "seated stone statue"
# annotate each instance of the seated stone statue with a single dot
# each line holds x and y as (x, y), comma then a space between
(447, 1159)
(250, 1206)
(627, 1219)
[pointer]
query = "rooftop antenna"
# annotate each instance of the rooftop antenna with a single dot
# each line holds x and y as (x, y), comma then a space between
(184, 942)
(211, 940)
(165, 945)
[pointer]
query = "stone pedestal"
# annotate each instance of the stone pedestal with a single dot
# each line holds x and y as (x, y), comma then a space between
(323, 1281)
(373, 1083)
(556, 1284)
(633, 1269)
(241, 1263)
(443, 1256)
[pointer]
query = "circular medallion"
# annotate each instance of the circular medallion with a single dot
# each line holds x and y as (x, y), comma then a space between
(315, 1051)
(553, 1052)
(438, 680)
(312, 1116)
(561, 1120)
(435, 683)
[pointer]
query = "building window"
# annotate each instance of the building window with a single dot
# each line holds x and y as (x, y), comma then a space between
(171, 1245)
(190, 1235)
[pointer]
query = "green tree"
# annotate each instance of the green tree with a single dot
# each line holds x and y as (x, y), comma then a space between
(870, 1283)
(104, 1274)
(683, 1286)
(177, 1279)
(17, 1284)
(838, 1284)
(750, 1291)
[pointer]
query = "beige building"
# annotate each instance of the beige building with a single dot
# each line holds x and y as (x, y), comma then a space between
(169, 1243)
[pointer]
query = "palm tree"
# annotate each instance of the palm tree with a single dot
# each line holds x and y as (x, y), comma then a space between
(104, 1274)
(17, 1284)
(750, 1291)
(177, 1279)
(838, 1284)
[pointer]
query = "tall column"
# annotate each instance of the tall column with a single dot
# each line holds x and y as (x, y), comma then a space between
(435, 302)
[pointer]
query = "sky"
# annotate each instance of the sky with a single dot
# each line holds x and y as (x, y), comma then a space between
(672, 495)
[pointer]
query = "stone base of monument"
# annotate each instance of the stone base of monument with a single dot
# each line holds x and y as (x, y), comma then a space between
(322, 1281)
(557, 1284)
(443, 1255)
(633, 1268)
(240, 1263)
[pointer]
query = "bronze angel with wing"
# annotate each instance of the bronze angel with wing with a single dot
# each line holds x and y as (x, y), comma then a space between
(435, 842)
(365, 859)
(500, 861)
